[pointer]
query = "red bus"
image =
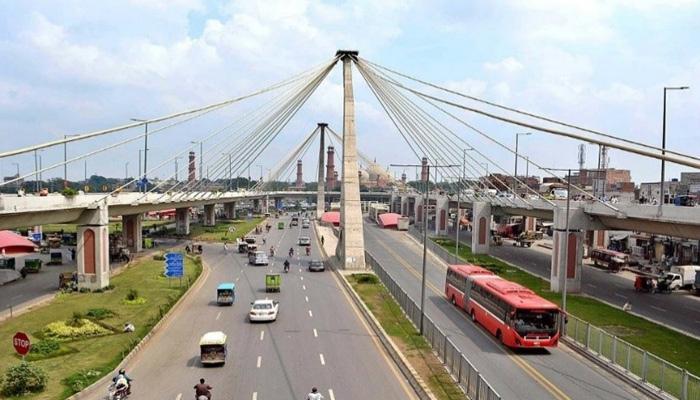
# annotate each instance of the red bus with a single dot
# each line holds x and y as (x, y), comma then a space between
(458, 277)
(511, 312)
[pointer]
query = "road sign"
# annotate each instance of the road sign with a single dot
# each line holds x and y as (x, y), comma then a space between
(174, 265)
(21, 343)
(173, 256)
(36, 237)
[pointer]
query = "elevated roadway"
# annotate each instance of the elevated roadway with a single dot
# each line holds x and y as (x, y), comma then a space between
(556, 373)
(318, 340)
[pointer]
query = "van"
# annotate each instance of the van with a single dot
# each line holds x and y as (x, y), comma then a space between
(612, 260)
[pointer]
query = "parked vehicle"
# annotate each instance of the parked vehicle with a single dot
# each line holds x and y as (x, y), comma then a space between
(687, 272)
(67, 279)
(225, 294)
(644, 284)
(213, 348)
(696, 284)
(670, 281)
(610, 259)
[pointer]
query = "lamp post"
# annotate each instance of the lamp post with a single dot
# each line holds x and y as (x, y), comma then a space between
(261, 171)
(459, 192)
(17, 165)
(176, 169)
(126, 173)
(425, 232)
(486, 165)
(663, 148)
(249, 176)
(36, 168)
(41, 178)
(145, 151)
(85, 170)
(515, 181)
(65, 157)
(228, 185)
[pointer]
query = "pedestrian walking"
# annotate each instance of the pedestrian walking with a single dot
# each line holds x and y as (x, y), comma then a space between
(323, 240)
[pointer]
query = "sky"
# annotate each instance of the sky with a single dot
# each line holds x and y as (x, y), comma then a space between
(74, 67)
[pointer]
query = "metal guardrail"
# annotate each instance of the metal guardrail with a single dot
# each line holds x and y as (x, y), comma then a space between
(464, 372)
(636, 363)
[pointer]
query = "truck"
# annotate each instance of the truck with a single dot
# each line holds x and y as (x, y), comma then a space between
(696, 284)
(687, 273)
(669, 281)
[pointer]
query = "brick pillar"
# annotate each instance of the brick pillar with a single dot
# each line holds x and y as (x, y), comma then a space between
(573, 260)
(481, 232)
(92, 251)
(442, 208)
(230, 210)
(131, 232)
(209, 215)
(182, 221)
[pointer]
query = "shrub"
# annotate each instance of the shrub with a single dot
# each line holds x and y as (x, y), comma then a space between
(109, 287)
(132, 294)
(69, 192)
(84, 290)
(135, 302)
(100, 290)
(367, 279)
(100, 313)
(76, 320)
(62, 331)
(24, 378)
(159, 257)
(46, 347)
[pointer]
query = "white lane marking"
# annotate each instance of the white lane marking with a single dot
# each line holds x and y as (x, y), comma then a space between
(323, 360)
(262, 335)
(690, 308)
(255, 395)
(619, 295)
(330, 394)
(593, 286)
(620, 286)
(18, 296)
(218, 315)
(303, 287)
(316, 332)
(310, 314)
(302, 278)
(658, 308)
(259, 361)
(179, 396)
(307, 299)
(238, 278)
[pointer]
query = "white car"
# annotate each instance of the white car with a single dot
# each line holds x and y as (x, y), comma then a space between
(304, 241)
(264, 310)
(258, 258)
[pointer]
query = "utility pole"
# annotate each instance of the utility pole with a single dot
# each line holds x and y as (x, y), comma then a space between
(145, 153)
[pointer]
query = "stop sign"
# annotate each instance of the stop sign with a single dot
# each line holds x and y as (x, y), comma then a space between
(21, 343)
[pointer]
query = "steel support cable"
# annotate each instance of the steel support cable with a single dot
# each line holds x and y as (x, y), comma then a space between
(385, 101)
(360, 154)
(192, 147)
(438, 132)
(299, 153)
(274, 121)
(284, 164)
(531, 114)
(164, 118)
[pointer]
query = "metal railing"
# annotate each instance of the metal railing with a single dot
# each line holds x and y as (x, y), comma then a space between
(637, 364)
(463, 371)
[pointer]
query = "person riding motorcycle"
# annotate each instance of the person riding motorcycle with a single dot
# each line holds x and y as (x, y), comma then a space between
(202, 390)
(286, 265)
(264, 239)
(314, 395)
(272, 251)
(122, 381)
(291, 251)
(308, 250)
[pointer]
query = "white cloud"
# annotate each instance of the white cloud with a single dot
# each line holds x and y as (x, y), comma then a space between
(469, 87)
(565, 21)
(620, 93)
(502, 90)
(508, 65)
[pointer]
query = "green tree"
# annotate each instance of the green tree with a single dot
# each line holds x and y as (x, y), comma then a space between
(24, 378)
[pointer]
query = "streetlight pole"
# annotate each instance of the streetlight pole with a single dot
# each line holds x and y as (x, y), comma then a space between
(36, 174)
(41, 178)
(65, 157)
(126, 173)
(663, 148)
(249, 176)
(17, 165)
(145, 151)
(486, 165)
(458, 225)
(176, 169)
(515, 181)
(85, 162)
(228, 185)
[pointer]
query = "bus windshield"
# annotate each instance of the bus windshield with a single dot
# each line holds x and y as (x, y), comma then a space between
(536, 321)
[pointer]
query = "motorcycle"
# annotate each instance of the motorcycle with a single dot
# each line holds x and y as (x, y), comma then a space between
(272, 252)
(291, 252)
(286, 268)
(117, 394)
(308, 251)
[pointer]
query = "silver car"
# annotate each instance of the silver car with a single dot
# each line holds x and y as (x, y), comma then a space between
(258, 258)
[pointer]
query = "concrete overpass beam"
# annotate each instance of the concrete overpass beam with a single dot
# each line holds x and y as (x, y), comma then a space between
(481, 232)
(182, 221)
(209, 215)
(131, 232)
(92, 251)
(351, 244)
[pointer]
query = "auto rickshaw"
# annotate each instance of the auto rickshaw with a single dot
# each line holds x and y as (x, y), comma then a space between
(226, 294)
(213, 348)
(644, 284)
(496, 239)
(67, 279)
(242, 247)
(32, 264)
(272, 282)
(280, 225)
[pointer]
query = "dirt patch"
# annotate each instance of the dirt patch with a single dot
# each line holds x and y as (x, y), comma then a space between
(621, 331)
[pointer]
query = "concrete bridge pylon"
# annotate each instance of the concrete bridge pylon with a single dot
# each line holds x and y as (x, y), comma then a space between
(351, 244)
(321, 192)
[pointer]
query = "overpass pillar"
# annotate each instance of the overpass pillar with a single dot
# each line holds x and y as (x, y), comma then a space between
(404, 206)
(256, 206)
(132, 233)
(182, 221)
(209, 215)
(572, 261)
(442, 209)
(230, 210)
(351, 243)
(530, 224)
(481, 232)
(92, 251)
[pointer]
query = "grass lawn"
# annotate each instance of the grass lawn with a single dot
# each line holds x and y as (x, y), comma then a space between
(670, 345)
(70, 373)
(114, 226)
(413, 346)
(220, 232)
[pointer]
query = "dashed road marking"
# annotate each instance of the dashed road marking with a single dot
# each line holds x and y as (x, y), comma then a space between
(259, 361)
(262, 335)
(302, 278)
(307, 298)
(179, 396)
(310, 314)
(316, 332)
(303, 287)
(330, 394)
(593, 286)
(19, 295)
(255, 395)
(218, 315)
(620, 295)
(323, 360)
(658, 308)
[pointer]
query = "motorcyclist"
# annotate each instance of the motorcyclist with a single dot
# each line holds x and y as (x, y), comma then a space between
(308, 250)
(286, 265)
(202, 389)
(291, 251)
(272, 251)
(121, 380)
(314, 395)
(264, 239)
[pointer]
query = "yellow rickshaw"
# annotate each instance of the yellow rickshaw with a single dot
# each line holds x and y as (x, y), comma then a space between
(67, 279)
(213, 348)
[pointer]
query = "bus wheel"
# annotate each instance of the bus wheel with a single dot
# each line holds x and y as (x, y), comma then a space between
(499, 337)
(454, 302)
(473, 315)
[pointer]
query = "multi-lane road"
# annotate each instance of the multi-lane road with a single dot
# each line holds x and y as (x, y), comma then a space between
(319, 338)
(679, 310)
(556, 373)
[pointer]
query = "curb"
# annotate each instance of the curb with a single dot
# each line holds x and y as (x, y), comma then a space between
(415, 381)
(90, 391)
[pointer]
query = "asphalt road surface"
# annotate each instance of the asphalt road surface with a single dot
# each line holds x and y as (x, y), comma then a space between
(318, 340)
(679, 310)
(554, 373)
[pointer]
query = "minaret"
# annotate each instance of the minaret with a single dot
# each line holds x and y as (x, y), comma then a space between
(331, 175)
(424, 170)
(403, 177)
(300, 179)
(191, 170)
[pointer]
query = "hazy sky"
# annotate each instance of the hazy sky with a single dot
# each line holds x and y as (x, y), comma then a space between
(72, 67)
